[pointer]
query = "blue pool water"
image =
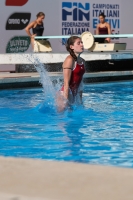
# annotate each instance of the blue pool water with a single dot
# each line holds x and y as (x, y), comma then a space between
(100, 132)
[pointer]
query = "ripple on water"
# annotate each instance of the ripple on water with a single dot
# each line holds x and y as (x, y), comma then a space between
(100, 132)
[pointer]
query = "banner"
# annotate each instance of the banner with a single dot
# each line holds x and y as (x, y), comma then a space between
(18, 44)
(77, 17)
(112, 12)
(62, 17)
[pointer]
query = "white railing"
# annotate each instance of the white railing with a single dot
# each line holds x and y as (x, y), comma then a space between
(95, 36)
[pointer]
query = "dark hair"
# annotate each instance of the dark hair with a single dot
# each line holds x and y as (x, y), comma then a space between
(102, 15)
(69, 42)
(40, 14)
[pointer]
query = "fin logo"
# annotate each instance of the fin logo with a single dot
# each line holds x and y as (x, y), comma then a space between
(18, 21)
(15, 2)
(77, 11)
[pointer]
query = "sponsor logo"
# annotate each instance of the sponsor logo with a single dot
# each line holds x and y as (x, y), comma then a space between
(75, 18)
(24, 21)
(76, 11)
(18, 21)
(15, 2)
(18, 44)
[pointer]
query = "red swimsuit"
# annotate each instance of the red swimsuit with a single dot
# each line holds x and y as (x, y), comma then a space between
(103, 30)
(76, 78)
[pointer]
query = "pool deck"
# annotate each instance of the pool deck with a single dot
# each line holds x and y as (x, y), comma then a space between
(21, 80)
(27, 179)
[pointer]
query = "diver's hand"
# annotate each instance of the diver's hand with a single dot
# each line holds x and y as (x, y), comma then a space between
(61, 102)
(108, 40)
(32, 36)
(63, 105)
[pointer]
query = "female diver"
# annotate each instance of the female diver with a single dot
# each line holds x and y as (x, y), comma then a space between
(73, 71)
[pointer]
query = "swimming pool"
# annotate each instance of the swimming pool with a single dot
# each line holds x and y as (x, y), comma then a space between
(100, 132)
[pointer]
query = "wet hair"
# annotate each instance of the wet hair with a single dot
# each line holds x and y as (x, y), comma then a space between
(102, 15)
(69, 42)
(40, 14)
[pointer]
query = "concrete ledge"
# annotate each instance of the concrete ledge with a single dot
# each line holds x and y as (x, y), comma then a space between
(35, 76)
(21, 80)
(107, 74)
(32, 58)
(39, 179)
(15, 80)
(46, 58)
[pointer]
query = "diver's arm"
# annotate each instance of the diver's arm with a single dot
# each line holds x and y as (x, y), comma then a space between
(27, 29)
(109, 29)
(109, 32)
(67, 71)
(97, 29)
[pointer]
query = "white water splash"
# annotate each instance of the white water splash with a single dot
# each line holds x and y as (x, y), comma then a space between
(45, 80)
(50, 87)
